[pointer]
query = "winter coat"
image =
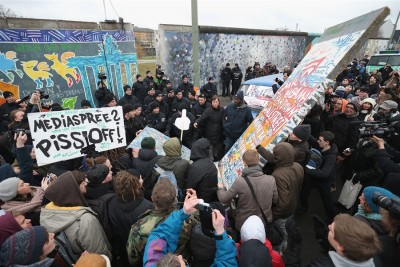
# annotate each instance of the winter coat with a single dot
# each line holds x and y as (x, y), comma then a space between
(327, 170)
(265, 190)
(128, 99)
(301, 149)
(157, 121)
(173, 161)
(150, 83)
(100, 94)
(209, 90)
(80, 226)
(175, 132)
(333, 259)
(288, 176)
(178, 102)
(237, 76)
(122, 214)
(345, 130)
(211, 122)
(198, 110)
(202, 174)
(139, 90)
(165, 237)
(235, 120)
(164, 108)
(31, 204)
(147, 100)
(186, 88)
(144, 164)
(226, 74)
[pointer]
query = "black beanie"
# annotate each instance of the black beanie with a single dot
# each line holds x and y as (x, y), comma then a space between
(108, 98)
(85, 103)
(127, 108)
(126, 87)
(97, 174)
(154, 105)
(302, 132)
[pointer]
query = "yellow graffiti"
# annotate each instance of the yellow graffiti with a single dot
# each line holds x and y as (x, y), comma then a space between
(61, 67)
(41, 72)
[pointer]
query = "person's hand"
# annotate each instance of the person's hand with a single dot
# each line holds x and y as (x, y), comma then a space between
(195, 125)
(138, 132)
(220, 185)
(218, 221)
(191, 201)
(16, 170)
(135, 152)
(35, 97)
(20, 139)
(44, 184)
(379, 141)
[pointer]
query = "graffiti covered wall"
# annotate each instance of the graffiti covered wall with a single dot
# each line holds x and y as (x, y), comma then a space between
(65, 63)
(217, 49)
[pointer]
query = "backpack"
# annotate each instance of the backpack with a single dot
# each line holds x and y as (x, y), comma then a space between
(314, 159)
(65, 256)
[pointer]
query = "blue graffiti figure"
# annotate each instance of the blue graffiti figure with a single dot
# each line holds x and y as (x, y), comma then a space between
(8, 64)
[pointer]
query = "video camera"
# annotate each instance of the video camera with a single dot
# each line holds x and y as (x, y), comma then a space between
(380, 129)
(202, 206)
(390, 204)
(101, 76)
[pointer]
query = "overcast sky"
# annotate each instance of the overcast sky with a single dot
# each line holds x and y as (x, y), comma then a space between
(311, 16)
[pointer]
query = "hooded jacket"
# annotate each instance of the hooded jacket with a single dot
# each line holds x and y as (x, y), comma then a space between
(345, 129)
(173, 161)
(333, 259)
(202, 174)
(265, 190)
(144, 164)
(70, 213)
(289, 178)
(327, 170)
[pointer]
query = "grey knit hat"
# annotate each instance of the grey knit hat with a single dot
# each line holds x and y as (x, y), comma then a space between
(9, 189)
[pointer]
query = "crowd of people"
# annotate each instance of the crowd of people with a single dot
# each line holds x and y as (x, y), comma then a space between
(134, 207)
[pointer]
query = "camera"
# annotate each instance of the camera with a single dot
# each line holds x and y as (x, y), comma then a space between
(43, 95)
(19, 130)
(378, 128)
(202, 206)
(102, 76)
(390, 204)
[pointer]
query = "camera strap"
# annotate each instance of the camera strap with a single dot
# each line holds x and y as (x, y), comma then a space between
(255, 198)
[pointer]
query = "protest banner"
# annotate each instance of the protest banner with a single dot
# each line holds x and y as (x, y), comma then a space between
(160, 140)
(302, 89)
(61, 135)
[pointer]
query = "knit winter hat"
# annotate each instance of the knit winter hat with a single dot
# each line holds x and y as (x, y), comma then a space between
(93, 260)
(8, 227)
(369, 192)
(302, 132)
(355, 105)
(368, 100)
(24, 247)
(154, 105)
(9, 189)
(7, 94)
(240, 95)
(127, 108)
(97, 174)
(126, 87)
(159, 93)
(108, 98)
(85, 103)
(148, 143)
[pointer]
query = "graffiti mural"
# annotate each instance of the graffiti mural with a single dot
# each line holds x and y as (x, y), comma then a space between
(217, 49)
(65, 64)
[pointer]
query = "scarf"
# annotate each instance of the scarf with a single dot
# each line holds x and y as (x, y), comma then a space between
(371, 216)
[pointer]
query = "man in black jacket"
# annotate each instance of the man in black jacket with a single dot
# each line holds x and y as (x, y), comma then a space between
(101, 93)
(128, 98)
(164, 107)
(185, 86)
(322, 176)
(237, 77)
(209, 89)
(226, 77)
(149, 80)
(139, 89)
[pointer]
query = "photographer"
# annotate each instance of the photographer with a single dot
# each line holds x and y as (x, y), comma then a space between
(101, 91)
(385, 156)
(163, 240)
